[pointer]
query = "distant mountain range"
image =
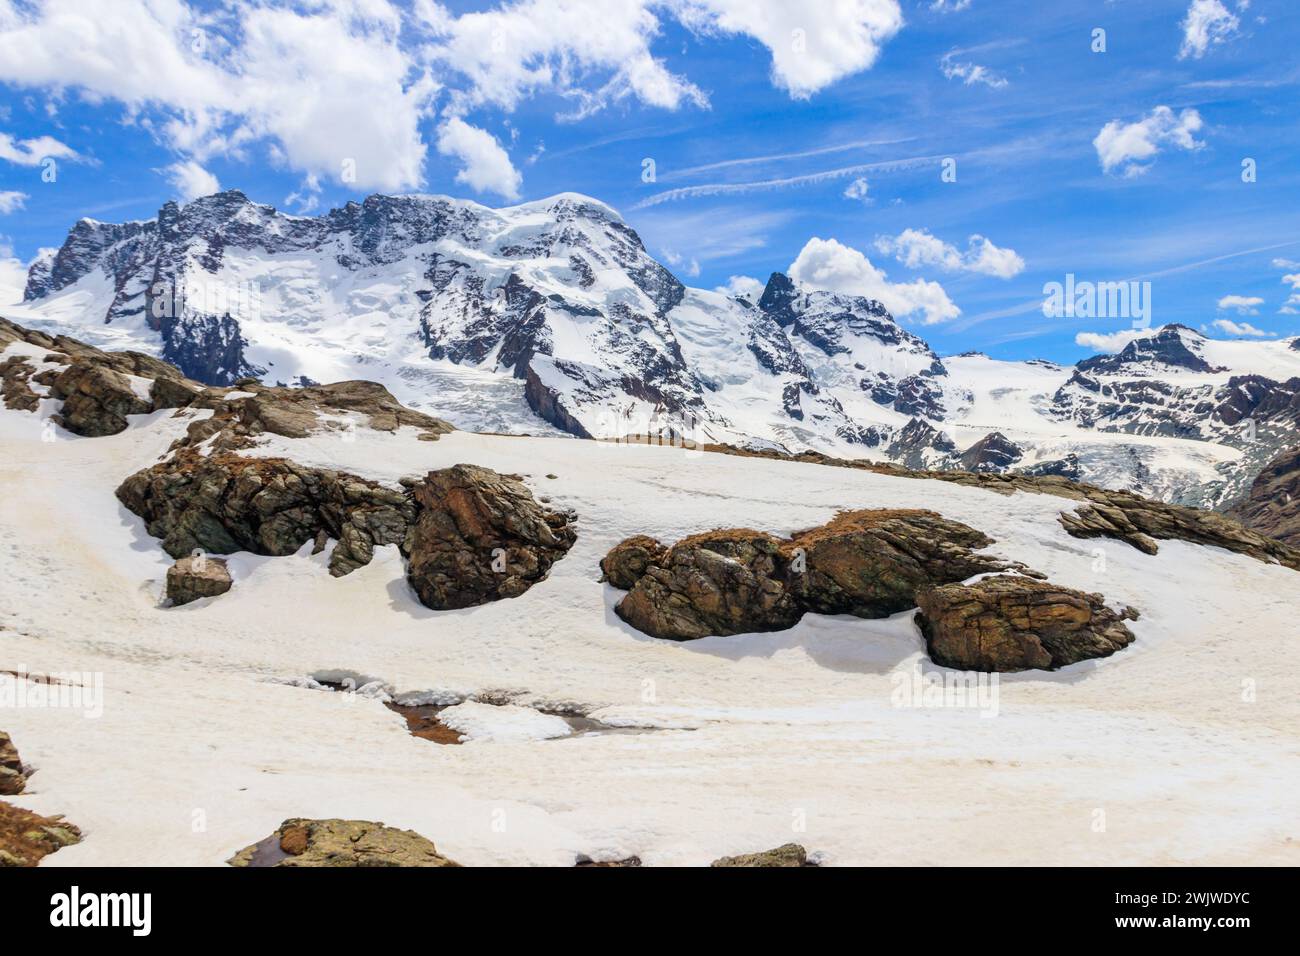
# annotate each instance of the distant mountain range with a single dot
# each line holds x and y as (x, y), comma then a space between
(551, 317)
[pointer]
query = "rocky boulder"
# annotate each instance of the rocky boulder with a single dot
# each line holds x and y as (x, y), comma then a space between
(197, 577)
(96, 399)
(12, 778)
(26, 837)
(1011, 623)
(226, 503)
(790, 854)
(872, 563)
(480, 536)
(630, 559)
(720, 582)
(340, 843)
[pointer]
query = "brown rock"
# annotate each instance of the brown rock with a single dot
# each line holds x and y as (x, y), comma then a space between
(96, 399)
(26, 837)
(480, 537)
(1011, 623)
(341, 843)
(788, 855)
(629, 559)
(197, 577)
(1273, 505)
(720, 582)
(12, 779)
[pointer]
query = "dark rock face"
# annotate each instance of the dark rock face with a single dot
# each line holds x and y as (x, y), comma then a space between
(721, 582)
(12, 778)
(917, 438)
(480, 537)
(872, 563)
(340, 843)
(1009, 623)
(208, 348)
(790, 854)
(867, 563)
(1273, 505)
(993, 452)
(1168, 346)
(96, 400)
(197, 577)
(630, 559)
(1067, 467)
(226, 503)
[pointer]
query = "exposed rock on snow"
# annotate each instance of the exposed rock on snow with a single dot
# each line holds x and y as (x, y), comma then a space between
(628, 560)
(720, 582)
(787, 855)
(26, 837)
(1011, 623)
(480, 537)
(867, 563)
(993, 452)
(1273, 505)
(626, 861)
(12, 778)
(197, 577)
(341, 843)
(225, 503)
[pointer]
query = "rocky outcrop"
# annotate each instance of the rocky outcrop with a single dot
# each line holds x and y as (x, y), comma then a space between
(480, 537)
(197, 576)
(1273, 505)
(1012, 623)
(26, 838)
(993, 452)
(871, 563)
(630, 559)
(226, 503)
(12, 778)
(96, 400)
(867, 563)
(340, 843)
(721, 582)
(789, 854)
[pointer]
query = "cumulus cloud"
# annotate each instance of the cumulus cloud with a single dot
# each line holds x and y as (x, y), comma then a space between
(745, 286)
(1109, 341)
(1292, 305)
(949, 6)
(191, 180)
(13, 275)
(1241, 329)
(32, 152)
(1130, 148)
(11, 200)
(830, 265)
(485, 165)
(970, 73)
(1244, 304)
(916, 248)
(1208, 23)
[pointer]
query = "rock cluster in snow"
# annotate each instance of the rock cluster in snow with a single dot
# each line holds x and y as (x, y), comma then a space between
(340, 843)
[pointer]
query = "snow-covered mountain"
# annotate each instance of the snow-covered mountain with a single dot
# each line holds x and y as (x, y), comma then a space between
(551, 317)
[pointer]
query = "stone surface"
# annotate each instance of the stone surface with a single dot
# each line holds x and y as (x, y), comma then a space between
(1273, 505)
(342, 843)
(480, 536)
(197, 577)
(629, 559)
(12, 779)
(1012, 623)
(720, 582)
(789, 854)
(26, 837)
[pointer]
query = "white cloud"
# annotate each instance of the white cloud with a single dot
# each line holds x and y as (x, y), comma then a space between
(746, 286)
(1242, 329)
(689, 267)
(1285, 264)
(830, 265)
(13, 275)
(1109, 341)
(813, 42)
(1292, 305)
(970, 73)
(916, 248)
(11, 200)
(858, 189)
(31, 152)
(949, 6)
(191, 180)
(1245, 305)
(1208, 23)
(487, 167)
(1129, 148)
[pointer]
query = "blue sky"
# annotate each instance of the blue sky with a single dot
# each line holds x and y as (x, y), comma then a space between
(769, 124)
